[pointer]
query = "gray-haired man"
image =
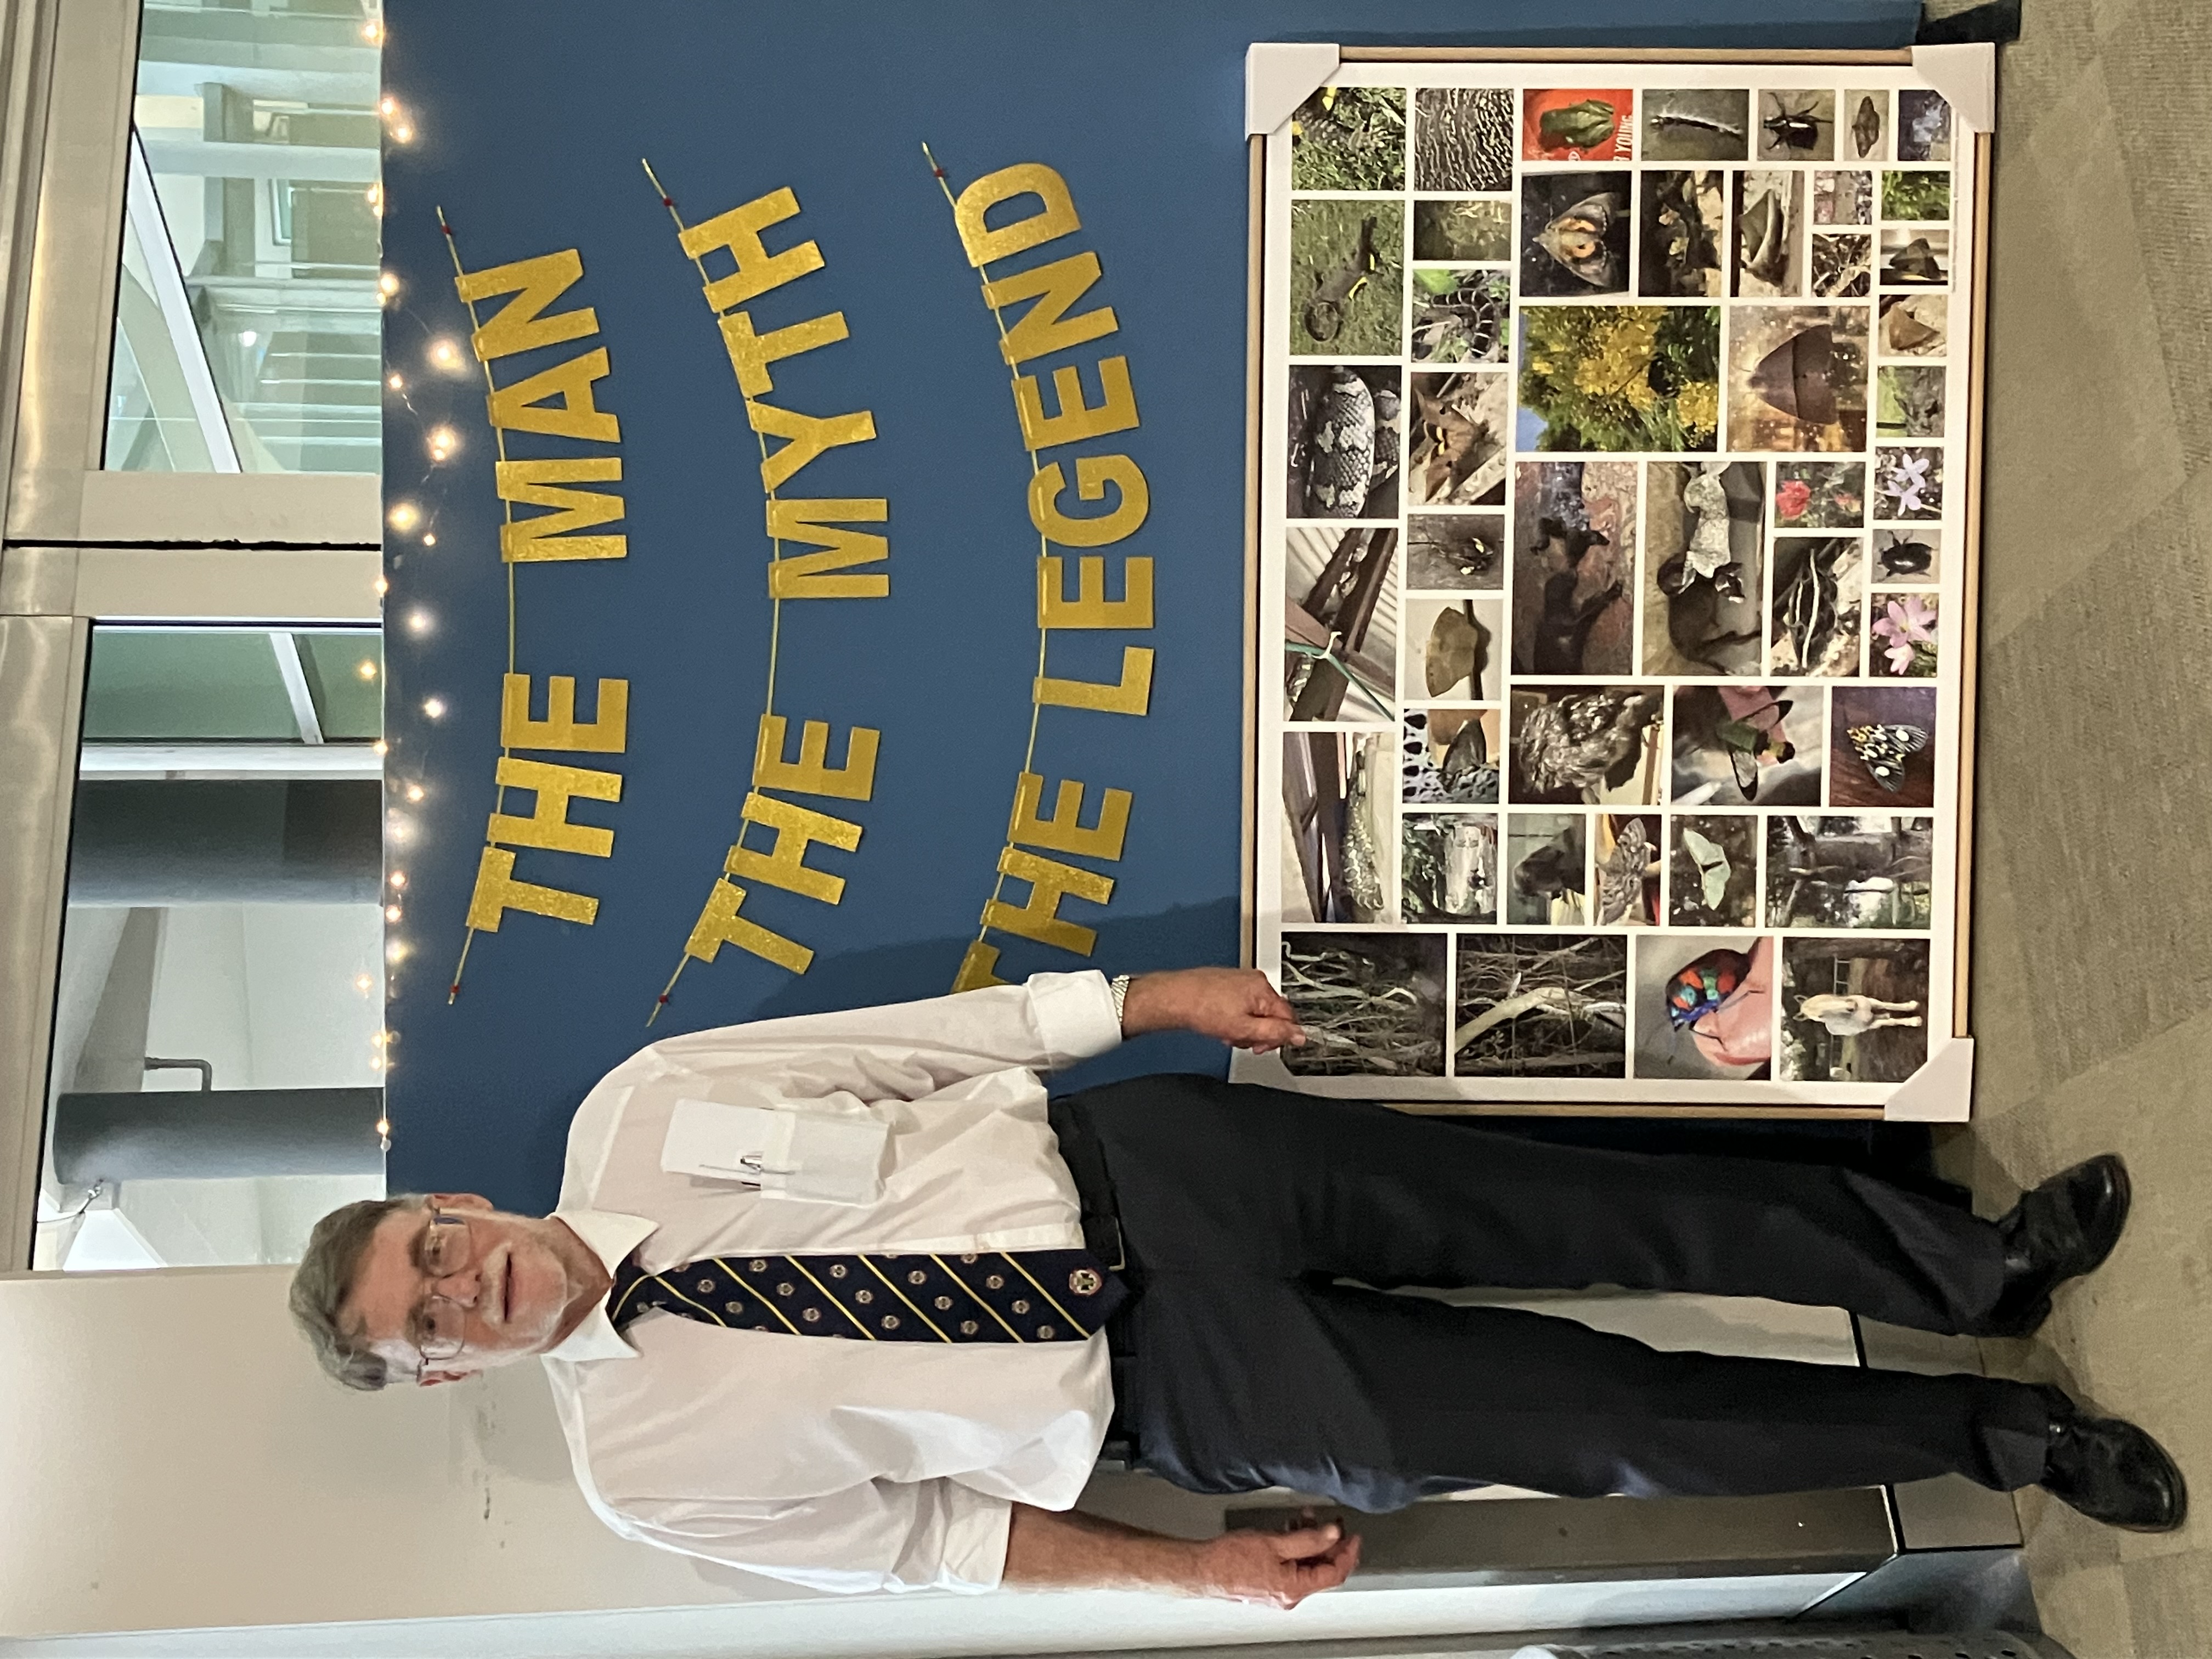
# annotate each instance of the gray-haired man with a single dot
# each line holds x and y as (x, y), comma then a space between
(882, 1352)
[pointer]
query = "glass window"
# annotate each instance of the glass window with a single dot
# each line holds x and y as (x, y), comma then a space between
(218, 1035)
(246, 328)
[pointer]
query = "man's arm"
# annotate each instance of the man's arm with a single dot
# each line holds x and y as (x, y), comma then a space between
(1235, 1005)
(1047, 1550)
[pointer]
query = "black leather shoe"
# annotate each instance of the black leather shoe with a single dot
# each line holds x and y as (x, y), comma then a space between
(2062, 1230)
(2110, 1470)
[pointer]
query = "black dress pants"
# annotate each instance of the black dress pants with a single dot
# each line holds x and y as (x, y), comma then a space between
(1248, 1366)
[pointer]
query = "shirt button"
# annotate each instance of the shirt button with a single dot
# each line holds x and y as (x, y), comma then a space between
(944, 1302)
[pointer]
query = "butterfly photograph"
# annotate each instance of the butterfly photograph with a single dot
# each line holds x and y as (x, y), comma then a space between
(1746, 745)
(1704, 1007)
(1712, 870)
(1882, 746)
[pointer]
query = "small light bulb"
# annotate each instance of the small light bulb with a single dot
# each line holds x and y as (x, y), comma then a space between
(395, 383)
(398, 878)
(389, 105)
(418, 622)
(376, 1062)
(246, 337)
(372, 32)
(435, 707)
(403, 516)
(392, 913)
(363, 983)
(379, 747)
(414, 792)
(404, 134)
(396, 950)
(387, 284)
(384, 1126)
(445, 354)
(382, 587)
(429, 539)
(366, 668)
(444, 440)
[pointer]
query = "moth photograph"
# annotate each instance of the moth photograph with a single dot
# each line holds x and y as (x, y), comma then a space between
(1634, 527)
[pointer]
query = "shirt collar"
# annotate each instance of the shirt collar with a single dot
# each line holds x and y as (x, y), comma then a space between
(611, 1236)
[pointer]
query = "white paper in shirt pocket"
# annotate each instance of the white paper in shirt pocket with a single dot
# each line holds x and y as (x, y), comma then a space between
(785, 1152)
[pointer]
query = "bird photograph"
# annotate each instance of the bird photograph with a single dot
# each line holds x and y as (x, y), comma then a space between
(1597, 745)
(1855, 1010)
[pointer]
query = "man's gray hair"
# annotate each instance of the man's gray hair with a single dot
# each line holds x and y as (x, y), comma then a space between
(325, 1279)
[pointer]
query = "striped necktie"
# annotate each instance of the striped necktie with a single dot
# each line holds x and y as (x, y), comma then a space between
(1015, 1296)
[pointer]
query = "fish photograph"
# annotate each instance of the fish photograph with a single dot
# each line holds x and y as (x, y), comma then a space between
(1372, 1005)
(1448, 866)
(1854, 1010)
(1712, 870)
(1818, 604)
(1697, 124)
(1337, 826)
(1746, 745)
(1450, 758)
(1705, 1008)
(1574, 568)
(1832, 871)
(1797, 127)
(1547, 869)
(1769, 216)
(1341, 626)
(1451, 551)
(1574, 234)
(1882, 746)
(1463, 138)
(1347, 278)
(1595, 745)
(1346, 429)
(1797, 378)
(1577, 123)
(1682, 217)
(1704, 565)
(1553, 1005)
(1624, 871)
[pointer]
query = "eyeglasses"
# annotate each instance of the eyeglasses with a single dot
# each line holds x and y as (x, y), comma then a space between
(441, 1323)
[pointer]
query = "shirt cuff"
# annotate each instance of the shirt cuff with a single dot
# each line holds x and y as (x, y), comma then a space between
(976, 1541)
(1074, 1016)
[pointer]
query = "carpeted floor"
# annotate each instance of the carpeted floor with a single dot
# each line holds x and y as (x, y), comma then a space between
(2093, 937)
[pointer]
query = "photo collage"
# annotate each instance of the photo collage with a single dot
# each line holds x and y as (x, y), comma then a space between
(1614, 513)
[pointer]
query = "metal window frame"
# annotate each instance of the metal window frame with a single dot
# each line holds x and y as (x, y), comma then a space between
(79, 544)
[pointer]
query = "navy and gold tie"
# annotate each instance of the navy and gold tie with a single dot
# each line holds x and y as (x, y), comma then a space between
(1017, 1295)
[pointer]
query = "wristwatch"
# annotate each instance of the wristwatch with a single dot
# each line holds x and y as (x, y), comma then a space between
(1120, 990)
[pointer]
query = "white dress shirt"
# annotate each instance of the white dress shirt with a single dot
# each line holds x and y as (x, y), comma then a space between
(838, 1465)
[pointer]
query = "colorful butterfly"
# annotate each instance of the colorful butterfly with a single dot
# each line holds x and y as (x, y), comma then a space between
(1883, 749)
(1703, 985)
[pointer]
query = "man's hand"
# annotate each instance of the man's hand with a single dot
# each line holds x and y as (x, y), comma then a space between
(1280, 1568)
(1048, 1550)
(1235, 1004)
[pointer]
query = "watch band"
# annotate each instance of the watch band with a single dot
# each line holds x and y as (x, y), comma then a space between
(1120, 986)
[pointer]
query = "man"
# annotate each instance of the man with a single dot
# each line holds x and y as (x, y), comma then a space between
(909, 1389)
